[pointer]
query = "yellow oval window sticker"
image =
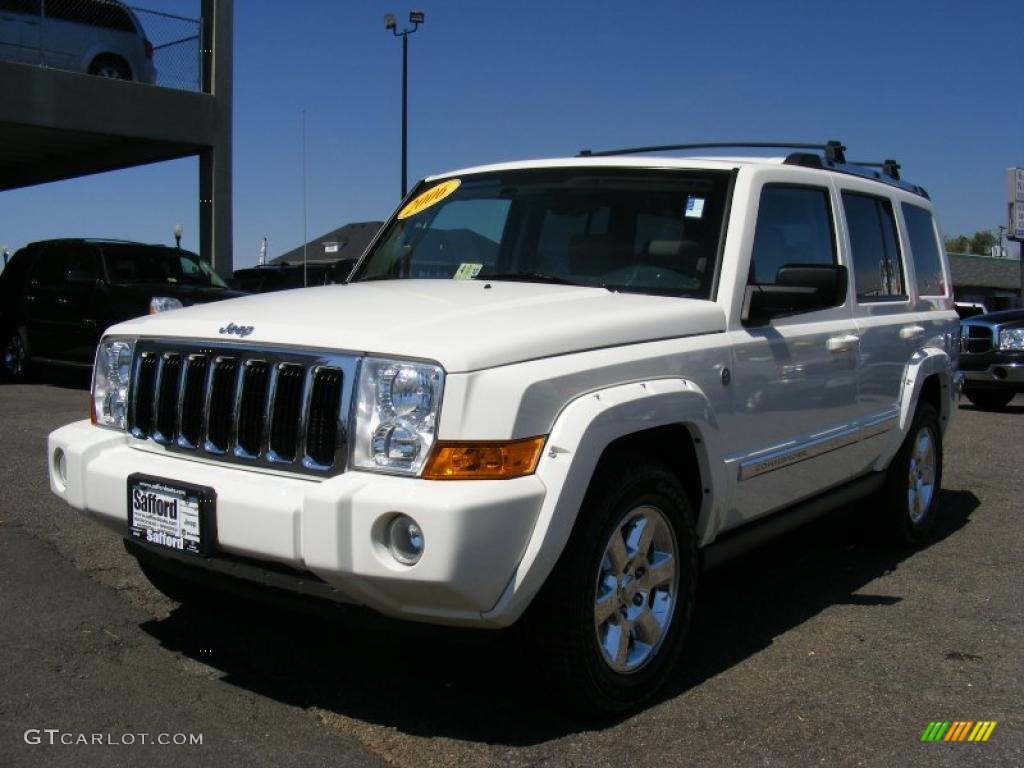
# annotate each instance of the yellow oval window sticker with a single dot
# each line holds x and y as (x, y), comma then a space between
(424, 200)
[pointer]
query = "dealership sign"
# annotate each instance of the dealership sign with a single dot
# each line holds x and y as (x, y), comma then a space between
(1015, 193)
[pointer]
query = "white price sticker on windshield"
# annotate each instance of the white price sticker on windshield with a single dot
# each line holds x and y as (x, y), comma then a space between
(694, 207)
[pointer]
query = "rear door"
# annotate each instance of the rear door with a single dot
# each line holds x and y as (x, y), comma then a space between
(882, 307)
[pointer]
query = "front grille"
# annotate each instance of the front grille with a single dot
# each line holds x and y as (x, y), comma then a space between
(246, 405)
(976, 339)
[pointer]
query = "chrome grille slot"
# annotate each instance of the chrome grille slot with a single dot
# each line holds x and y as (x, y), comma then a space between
(141, 415)
(976, 339)
(193, 401)
(274, 408)
(253, 399)
(285, 409)
(322, 422)
(220, 405)
(167, 382)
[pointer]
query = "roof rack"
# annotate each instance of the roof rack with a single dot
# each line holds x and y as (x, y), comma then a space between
(889, 167)
(832, 157)
(834, 150)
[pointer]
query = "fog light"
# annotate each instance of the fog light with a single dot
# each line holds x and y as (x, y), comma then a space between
(405, 540)
(60, 466)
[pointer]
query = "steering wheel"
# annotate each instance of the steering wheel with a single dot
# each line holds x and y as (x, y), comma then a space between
(651, 276)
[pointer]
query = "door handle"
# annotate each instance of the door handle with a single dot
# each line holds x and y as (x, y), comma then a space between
(30, 297)
(909, 332)
(61, 300)
(843, 343)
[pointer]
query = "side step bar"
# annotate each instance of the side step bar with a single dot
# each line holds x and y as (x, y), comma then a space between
(752, 535)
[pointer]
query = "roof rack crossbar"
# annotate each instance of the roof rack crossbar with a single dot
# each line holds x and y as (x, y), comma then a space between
(833, 149)
(889, 167)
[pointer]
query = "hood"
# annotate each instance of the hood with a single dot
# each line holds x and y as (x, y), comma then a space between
(461, 324)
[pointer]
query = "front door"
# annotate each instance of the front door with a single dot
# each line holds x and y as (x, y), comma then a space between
(794, 379)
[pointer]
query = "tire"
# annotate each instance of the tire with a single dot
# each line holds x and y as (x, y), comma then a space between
(990, 399)
(908, 501)
(15, 360)
(587, 662)
(184, 591)
(113, 67)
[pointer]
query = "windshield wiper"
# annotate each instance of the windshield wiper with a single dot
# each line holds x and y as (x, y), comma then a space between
(534, 277)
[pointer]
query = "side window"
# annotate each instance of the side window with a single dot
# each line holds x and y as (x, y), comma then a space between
(82, 260)
(924, 249)
(877, 268)
(794, 226)
(49, 268)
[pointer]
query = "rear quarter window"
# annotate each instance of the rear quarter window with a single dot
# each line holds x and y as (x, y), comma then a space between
(925, 251)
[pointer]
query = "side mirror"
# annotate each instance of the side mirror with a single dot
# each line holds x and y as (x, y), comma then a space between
(798, 288)
(79, 277)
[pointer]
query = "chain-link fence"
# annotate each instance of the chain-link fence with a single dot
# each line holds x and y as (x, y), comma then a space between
(105, 38)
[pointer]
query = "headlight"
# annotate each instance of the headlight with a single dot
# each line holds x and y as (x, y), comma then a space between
(163, 304)
(396, 415)
(110, 380)
(1012, 339)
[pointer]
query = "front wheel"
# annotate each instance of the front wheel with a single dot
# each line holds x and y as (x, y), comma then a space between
(990, 399)
(607, 628)
(910, 496)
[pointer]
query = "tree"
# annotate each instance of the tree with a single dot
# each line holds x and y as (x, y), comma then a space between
(980, 243)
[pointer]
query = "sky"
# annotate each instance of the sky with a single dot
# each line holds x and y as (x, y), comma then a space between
(932, 83)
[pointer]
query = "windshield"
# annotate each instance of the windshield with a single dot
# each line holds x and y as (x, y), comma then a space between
(641, 230)
(133, 264)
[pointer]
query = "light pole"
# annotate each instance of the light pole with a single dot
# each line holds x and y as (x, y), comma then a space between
(390, 22)
(177, 230)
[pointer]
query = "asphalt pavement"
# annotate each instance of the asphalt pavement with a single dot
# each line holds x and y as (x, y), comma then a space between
(825, 647)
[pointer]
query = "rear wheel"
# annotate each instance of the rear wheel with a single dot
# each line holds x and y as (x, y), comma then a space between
(990, 399)
(15, 364)
(110, 66)
(909, 499)
(607, 628)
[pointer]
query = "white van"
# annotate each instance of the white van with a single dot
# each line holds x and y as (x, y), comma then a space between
(99, 37)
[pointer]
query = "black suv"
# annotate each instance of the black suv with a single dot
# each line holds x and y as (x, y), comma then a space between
(58, 296)
(992, 357)
(283, 277)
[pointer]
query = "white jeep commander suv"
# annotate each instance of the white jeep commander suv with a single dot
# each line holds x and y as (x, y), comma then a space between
(550, 394)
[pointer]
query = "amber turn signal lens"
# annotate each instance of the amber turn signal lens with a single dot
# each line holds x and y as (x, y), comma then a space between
(484, 461)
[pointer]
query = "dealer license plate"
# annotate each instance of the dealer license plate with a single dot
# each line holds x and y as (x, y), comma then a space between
(171, 514)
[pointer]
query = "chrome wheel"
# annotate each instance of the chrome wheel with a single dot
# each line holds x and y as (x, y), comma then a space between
(14, 355)
(921, 477)
(635, 595)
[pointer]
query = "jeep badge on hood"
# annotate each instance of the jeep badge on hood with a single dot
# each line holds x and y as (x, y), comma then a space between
(238, 330)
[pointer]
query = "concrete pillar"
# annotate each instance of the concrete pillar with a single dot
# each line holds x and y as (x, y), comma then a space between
(215, 203)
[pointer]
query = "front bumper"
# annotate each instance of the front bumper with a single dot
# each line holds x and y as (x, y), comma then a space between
(1009, 374)
(475, 532)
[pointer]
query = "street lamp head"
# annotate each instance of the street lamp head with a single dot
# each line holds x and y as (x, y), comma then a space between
(390, 21)
(178, 229)
(416, 17)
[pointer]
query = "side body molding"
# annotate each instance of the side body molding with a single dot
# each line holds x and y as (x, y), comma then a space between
(581, 432)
